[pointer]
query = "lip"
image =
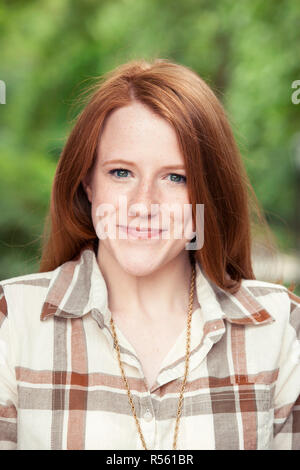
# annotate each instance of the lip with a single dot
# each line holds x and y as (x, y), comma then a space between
(144, 233)
(137, 229)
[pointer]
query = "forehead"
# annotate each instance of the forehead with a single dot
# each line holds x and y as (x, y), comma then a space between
(136, 133)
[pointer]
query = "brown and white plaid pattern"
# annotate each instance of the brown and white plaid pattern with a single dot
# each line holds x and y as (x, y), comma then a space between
(60, 383)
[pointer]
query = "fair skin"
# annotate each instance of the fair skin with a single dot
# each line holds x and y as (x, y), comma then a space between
(150, 279)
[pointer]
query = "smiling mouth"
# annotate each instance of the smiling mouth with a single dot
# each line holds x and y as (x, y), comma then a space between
(140, 231)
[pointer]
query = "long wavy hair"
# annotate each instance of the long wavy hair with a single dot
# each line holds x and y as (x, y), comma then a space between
(215, 174)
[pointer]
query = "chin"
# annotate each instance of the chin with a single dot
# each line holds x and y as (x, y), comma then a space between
(139, 264)
(143, 260)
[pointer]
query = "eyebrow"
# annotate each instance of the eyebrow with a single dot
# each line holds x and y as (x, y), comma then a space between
(126, 162)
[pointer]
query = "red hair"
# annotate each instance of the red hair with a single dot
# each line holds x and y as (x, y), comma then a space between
(214, 170)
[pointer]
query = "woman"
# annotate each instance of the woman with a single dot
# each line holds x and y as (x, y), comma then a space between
(135, 337)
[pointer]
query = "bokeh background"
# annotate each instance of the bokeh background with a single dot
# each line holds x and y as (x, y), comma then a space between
(247, 51)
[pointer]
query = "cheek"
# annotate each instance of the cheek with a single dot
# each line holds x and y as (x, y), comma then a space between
(187, 223)
(103, 193)
(105, 203)
(180, 199)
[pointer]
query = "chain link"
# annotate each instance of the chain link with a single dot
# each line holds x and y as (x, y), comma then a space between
(116, 345)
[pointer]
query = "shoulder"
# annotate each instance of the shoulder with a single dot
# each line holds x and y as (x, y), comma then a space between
(263, 284)
(270, 290)
(23, 292)
(27, 281)
(281, 303)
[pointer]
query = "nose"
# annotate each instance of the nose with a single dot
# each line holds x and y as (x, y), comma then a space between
(144, 201)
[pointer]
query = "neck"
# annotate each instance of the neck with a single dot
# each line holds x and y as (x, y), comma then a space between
(162, 293)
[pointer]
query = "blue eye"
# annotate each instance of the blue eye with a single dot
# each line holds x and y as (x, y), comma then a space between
(178, 176)
(124, 172)
(118, 169)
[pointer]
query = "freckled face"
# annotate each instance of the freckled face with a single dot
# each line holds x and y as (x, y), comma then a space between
(140, 173)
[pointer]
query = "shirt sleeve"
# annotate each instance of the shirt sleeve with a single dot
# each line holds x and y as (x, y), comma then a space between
(8, 386)
(286, 435)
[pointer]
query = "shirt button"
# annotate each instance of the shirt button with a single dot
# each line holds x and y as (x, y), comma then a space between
(148, 416)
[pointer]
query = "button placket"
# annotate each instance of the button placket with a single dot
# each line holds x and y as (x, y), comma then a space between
(147, 424)
(148, 416)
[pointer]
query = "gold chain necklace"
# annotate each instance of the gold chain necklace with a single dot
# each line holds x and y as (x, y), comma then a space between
(116, 344)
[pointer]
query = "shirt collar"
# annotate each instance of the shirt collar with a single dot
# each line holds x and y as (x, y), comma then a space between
(78, 287)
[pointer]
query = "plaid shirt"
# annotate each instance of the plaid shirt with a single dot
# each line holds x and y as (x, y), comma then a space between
(61, 386)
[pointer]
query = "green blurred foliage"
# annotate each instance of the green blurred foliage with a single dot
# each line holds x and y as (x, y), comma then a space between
(247, 51)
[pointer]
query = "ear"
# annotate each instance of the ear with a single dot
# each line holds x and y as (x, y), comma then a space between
(87, 186)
